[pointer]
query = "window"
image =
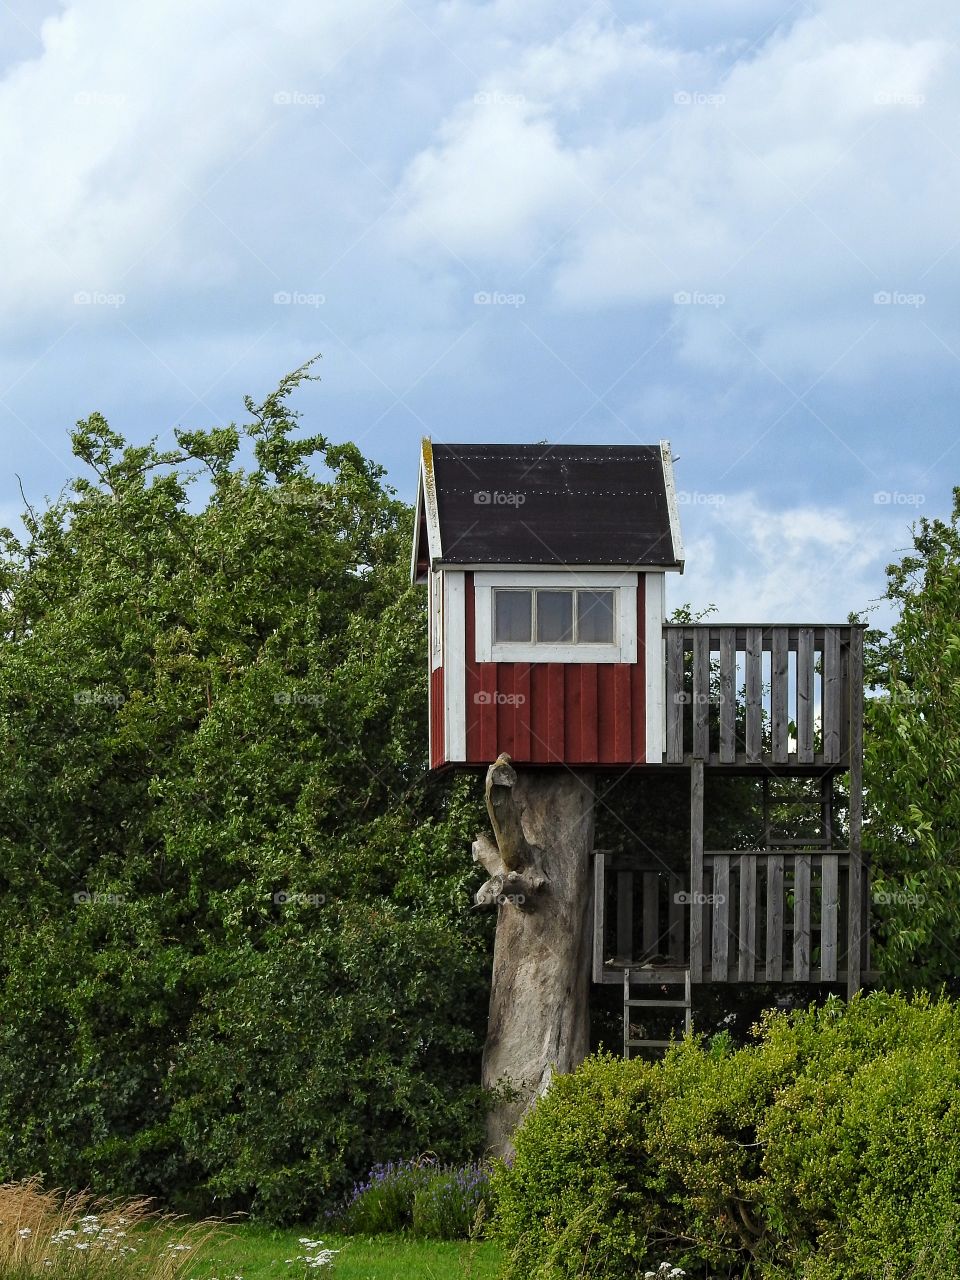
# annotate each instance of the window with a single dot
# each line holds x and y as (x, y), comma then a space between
(555, 615)
(543, 615)
(512, 622)
(595, 617)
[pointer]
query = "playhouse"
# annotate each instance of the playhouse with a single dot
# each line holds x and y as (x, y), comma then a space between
(545, 567)
(545, 573)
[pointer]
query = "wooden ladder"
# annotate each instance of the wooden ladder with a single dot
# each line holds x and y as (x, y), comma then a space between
(651, 1002)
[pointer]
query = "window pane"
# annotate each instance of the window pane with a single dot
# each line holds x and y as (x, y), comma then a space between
(555, 617)
(595, 617)
(511, 616)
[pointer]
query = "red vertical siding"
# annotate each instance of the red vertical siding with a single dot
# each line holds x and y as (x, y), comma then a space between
(588, 712)
(522, 736)
(556, 713)
(437, 745)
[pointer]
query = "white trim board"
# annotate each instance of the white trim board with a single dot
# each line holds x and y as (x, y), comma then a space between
(673, 507)
(428, 479)
(454, 609)
(655, 682)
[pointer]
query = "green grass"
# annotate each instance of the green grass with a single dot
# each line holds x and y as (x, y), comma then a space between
(259, 1254)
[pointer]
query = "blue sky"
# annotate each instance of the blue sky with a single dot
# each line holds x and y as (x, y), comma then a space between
(730, 225)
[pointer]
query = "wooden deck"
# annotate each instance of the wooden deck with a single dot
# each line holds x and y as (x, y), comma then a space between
(767, 700)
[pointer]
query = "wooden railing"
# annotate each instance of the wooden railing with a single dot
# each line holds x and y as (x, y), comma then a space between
(765, 695)
(757, 916)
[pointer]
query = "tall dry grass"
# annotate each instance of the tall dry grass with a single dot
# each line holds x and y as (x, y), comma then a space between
(78, 1237)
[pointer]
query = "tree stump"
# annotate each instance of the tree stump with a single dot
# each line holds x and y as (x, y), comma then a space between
(540, 884)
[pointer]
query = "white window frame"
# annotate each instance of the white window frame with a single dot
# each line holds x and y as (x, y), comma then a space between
(623, 649)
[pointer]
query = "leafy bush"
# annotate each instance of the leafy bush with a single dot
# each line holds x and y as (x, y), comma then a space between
(828, 1149)
(581, 1186)
(237, 960)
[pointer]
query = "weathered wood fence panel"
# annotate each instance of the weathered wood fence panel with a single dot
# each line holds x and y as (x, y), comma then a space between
(799, 717)
(758, 915)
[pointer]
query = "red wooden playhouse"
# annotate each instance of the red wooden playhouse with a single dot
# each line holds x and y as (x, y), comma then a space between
(545, 570)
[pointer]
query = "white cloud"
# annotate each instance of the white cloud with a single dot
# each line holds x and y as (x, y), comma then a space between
(507, 175)
(795, 183)
(759, 563)
(117, 131)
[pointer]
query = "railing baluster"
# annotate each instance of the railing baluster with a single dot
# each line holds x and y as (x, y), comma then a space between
(599, 913)
(701, 693)
(675, 700)
(805, 696)
(775, 917)
(753, 658)
(829, 913)
(721, 917)
(779, 687)
(728, 705)
(747, 959)
(832, 696)
(801, 918)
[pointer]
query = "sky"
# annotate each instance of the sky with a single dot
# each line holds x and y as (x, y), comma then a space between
(730, 225)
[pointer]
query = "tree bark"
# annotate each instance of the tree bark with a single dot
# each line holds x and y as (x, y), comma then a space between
(541, 886)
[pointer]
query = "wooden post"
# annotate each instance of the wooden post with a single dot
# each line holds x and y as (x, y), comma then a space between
(539, 999)
(856, 880)
(696, 870)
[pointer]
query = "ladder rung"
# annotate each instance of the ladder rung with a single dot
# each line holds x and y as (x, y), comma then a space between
(655, 1004)
(649, 1044)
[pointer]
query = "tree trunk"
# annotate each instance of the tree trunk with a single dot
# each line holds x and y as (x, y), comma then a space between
(540, 883)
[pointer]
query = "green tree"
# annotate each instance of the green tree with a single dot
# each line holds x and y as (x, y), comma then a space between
(912, 761)
(237, 960)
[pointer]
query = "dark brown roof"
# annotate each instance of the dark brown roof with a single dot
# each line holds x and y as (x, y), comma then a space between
(547, 504)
